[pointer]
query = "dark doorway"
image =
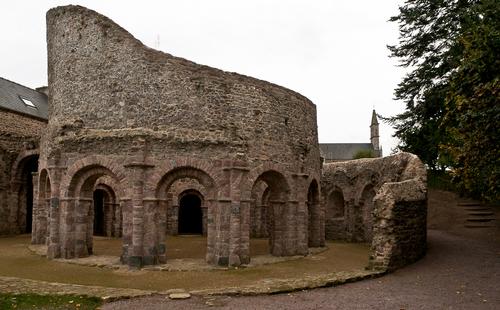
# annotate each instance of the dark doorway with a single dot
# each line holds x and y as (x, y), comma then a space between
(99, 212)
(26, 192)
(190, 215)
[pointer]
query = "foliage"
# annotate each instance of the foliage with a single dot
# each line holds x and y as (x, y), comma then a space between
(34, 301)
(437, 179)
(451, 92)
(363, 154)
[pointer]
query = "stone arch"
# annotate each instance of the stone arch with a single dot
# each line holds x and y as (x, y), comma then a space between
(314, 215)
(335, 204)
(80, 208)
(366, 210)
(278, 221)
(259, 210)
(180, 163)
(335, 214)
(116, 170)
(16, 169)
(204, 178)
(163, 203)
(22, 188)
(256, 173)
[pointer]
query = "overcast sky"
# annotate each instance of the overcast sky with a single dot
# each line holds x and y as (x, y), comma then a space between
(333, 52)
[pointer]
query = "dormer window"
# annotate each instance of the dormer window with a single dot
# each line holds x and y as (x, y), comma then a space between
(28, 102)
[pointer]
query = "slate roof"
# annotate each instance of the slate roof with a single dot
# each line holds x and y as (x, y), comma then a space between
(342, 151)
(10, 99)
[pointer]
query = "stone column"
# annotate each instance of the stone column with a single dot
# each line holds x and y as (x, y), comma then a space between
(161, 216)
(53, 240)
(302, 213)
(126, 224)
(34, 215)
(237, 250)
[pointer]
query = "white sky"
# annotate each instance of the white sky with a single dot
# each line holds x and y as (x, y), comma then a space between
(333, 52)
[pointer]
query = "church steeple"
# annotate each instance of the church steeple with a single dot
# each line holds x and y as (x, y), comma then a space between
(374, 133)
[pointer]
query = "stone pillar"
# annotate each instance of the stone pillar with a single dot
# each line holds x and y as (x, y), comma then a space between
(34, 215)
(14, 206)
(137, 256)
(302, 213)
(53, 238)
(117, 223)
(204, 216)
(211, 256)
(238, 251)
(276, 234)
(161, 216)
(126, 224)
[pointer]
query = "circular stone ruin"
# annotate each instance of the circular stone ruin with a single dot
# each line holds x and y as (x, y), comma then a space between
(135, 134)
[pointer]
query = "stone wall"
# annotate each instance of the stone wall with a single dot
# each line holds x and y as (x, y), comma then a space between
(19, 140)
(382, 201)
(146, 120)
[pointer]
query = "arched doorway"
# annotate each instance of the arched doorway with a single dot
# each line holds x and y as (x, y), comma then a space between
(28, 166)
(313, 211)
(190, 214)
(99, 196)
(271, 192)
(335, 224)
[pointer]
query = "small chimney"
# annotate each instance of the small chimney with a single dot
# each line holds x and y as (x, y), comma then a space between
(43, 90)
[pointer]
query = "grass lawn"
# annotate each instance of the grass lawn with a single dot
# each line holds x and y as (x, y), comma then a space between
(34, 301)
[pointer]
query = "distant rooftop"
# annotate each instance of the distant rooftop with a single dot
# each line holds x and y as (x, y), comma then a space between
(22, 99)
(342, 151)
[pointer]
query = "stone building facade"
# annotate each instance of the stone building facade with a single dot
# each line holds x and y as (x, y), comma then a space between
(23, 114)
(136, 124)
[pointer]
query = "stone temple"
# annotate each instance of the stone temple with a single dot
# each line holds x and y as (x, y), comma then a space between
(140, 144)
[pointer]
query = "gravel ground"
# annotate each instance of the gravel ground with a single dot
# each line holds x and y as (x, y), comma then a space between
(460, 271)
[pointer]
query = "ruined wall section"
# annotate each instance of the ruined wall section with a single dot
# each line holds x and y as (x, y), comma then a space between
(394, 217)
(107, 88)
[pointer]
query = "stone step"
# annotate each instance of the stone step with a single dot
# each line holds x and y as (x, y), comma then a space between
(479, 219)
(478, 209)
(467, 204)
(479, 225)
(481, 213)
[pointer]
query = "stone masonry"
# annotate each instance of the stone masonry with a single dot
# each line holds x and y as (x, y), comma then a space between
(19, 139)
(133, 133)
(135, 121)
(382, 201)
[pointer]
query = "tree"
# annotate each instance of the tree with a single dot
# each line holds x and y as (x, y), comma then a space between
(363, 154)
(451, 91)
(472, 114)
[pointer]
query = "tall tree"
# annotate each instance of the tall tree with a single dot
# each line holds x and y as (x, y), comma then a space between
(472, 114)
(451, 90)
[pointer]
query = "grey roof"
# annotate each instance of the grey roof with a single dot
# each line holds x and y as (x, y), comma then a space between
(342, 151)
(10, 98)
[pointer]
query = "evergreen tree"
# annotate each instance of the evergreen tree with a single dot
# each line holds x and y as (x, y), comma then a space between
(451, 92)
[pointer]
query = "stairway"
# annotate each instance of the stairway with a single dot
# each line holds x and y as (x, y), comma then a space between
(478, 215)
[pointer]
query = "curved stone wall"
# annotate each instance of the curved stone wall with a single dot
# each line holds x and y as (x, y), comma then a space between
(143, 120)
(105, 86)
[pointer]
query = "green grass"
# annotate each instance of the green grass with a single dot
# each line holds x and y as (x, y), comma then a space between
(34, 301)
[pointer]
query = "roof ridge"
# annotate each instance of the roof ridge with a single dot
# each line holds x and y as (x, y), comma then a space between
(20, 85)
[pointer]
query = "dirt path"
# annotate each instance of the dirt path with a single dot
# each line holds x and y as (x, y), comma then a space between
(461, 271)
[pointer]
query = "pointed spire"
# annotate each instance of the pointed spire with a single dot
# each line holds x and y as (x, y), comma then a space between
(374, 118)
